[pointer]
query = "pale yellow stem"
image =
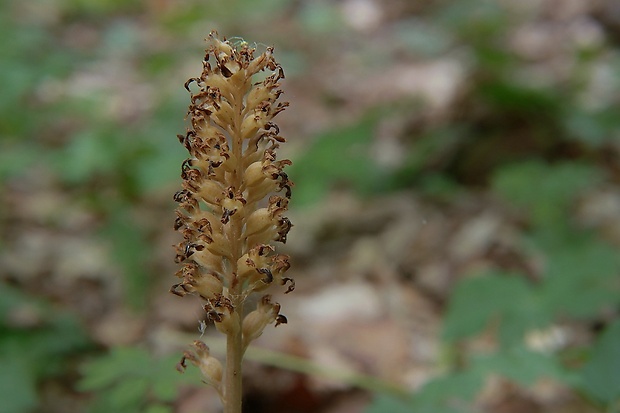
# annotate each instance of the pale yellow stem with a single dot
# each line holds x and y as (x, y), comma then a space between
(234, 340)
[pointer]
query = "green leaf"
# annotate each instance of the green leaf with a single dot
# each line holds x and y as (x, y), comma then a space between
(10, 298)
(320, 16)
(476, 19)
(166, 379)
(522, 366)
(101, 7)
(506, 298)
(120, 363)
(581, 280)
(131, 380)
(17, 157)
(383, 403)
(336, 158)
(158, 408)
(594, 128)
(601, 376)
(18, 393)
(88, 153)
(546, 191)
(29, 355)
(422, 37)
(131, 250)
(515, 97)
(161, 165)
(452, 392)
(128, 394)
(429, 149)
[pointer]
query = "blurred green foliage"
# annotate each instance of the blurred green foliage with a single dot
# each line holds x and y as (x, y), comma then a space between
(38, 342)
(600, 378)
(542, 182)
(580, 282)
(546, 191)
(538, 148)
(339, 156)
(504, 117)
(132, 380)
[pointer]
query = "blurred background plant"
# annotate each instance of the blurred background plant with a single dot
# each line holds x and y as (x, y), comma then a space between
(458, 244)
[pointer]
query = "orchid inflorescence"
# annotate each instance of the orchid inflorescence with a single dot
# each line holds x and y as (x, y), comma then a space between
(231, 208)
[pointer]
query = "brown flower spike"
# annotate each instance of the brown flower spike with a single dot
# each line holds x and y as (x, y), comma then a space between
(231, 208)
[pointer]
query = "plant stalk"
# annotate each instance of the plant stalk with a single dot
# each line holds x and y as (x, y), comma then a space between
(234, 340)
(233, 391)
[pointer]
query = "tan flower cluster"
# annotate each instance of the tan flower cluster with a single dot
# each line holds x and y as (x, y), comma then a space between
(235, 193)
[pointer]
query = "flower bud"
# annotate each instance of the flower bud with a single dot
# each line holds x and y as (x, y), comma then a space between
(211, 192)
(208, 286)
(255, 322)
(206, 259)
(209, 366)
(251, 124)
(219, 246)
(253, 325)
(257, 95)
(231, 207)
(229, 323)
(251, 262)
(259, 221)
(253, 174)
(264, 60)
